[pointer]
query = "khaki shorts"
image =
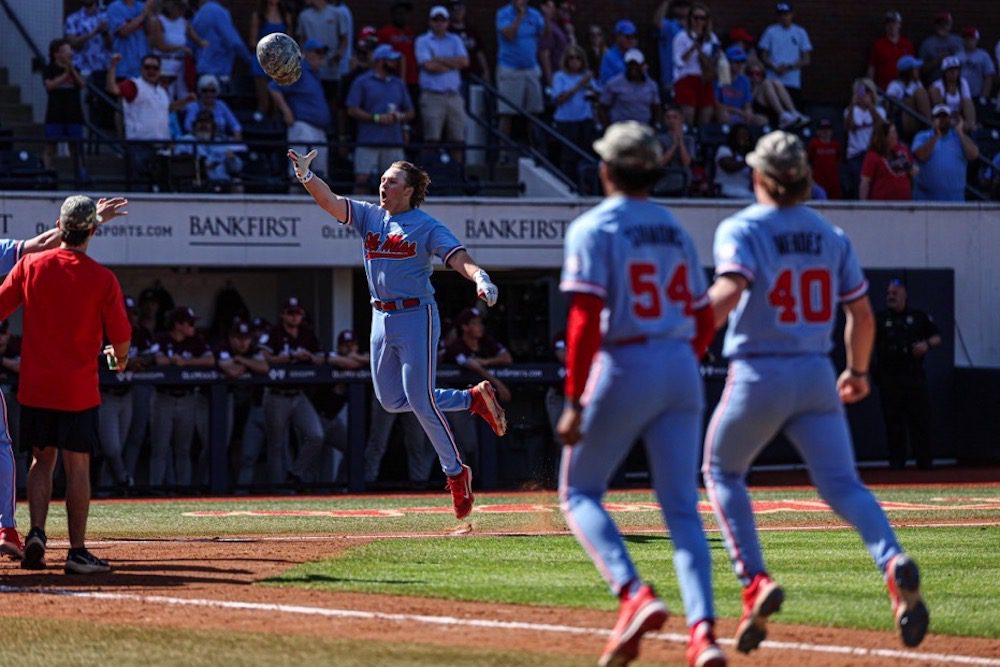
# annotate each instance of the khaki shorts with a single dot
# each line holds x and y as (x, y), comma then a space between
(375, 160)
(443, 115)
(523, 87)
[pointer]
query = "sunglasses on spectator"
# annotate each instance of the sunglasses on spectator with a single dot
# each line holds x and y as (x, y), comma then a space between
(699, 17)
(150, 66)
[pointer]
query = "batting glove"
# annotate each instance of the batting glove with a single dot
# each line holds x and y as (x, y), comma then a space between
(485, 288)
(301, 164)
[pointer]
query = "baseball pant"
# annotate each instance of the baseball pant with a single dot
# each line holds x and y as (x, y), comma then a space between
(142, 405)
(629, 396)
(404, 363)
(797, 395)
(172, 430)
(8, 471)
(254, 437)
(296, 411)
(419, 453)
(115, 416)
(465, 428)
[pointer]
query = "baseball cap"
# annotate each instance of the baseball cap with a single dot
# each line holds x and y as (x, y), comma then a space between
(942, 17)
(261, 323)
(292, 305)
(736, 54)
(78, 213)
(182, 314)
(824, 124)
(949, 62)
(893, 17)
(313, 44)
(385, 52)
(206, 81)
(635, 55)
(970, 31)
(740, 35)
(467, 316)
(631, 144)
(941, 110)
(908, 62)
(439, 10)
(896, 281)
(625, 27)
(368, 32)
(239, 328)
(345, 336)
(781, 156)
(783, 7)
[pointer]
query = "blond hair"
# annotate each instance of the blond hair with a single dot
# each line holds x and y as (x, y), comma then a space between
(416, 178)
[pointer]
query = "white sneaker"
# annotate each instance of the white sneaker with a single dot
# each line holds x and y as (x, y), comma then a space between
(787, 119)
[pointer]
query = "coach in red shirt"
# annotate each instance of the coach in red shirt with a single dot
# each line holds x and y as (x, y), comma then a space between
(71, 303)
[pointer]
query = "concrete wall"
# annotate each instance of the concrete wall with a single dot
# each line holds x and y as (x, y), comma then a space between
(43, 19)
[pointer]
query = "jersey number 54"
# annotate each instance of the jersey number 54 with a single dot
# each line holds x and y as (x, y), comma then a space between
(645, 286)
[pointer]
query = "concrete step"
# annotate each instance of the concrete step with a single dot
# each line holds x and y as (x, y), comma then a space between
(13, 113)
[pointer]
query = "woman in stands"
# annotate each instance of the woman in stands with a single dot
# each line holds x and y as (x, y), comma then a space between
(888, 170)
(697, 51)
(909, 90)
(64, 113)
(771, 98)
(169, 32)
(572, 93)
(952, 89)
(598, 45)
(269, 16)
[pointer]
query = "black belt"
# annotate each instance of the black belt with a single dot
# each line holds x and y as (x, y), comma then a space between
(288, 393)
(392, 306)
(634, 340)
(176, 393)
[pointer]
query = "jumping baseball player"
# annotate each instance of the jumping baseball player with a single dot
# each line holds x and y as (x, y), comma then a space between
(10, 252)
(398, 243)
(638, 307)
(780, 269)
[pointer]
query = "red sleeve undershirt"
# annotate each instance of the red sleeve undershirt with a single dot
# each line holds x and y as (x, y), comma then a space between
(583, 338)
(704, 319)
(128, 90)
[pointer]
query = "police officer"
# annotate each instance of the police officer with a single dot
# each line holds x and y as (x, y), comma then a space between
(291, 342)
(903, 338)
(239, 356)
(175, 407)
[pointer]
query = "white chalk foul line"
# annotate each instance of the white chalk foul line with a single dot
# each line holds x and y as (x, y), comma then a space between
(671, 637)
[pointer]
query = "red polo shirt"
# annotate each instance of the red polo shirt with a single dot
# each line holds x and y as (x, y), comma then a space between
(884, 56)
(71, 303)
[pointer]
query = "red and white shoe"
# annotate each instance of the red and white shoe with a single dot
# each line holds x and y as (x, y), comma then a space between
(460, 486)
(637, 615)
(761, 598)
(486, 405)
(902, 576)
(702, 651)
(10, 544)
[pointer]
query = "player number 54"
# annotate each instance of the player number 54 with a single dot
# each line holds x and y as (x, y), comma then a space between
(645, 285)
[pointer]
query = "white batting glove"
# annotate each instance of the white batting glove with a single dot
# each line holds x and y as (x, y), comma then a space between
(301, 164)
(485, 288)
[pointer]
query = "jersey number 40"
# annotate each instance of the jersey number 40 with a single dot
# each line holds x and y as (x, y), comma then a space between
(805, 297)
(645, 285)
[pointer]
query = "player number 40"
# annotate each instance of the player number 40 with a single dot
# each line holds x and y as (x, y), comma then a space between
(812, 304)
(645, 284)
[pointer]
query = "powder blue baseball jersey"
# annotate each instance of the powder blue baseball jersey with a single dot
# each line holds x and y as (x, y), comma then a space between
(799, 266)
(10, 252)
(398, 249)
(634, 255)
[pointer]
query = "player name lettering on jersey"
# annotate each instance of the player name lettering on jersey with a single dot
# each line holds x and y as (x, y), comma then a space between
(799, 243)
(395, 246)
(641, 235)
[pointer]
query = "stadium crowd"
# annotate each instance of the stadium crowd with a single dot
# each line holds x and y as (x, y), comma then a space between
(914, 123)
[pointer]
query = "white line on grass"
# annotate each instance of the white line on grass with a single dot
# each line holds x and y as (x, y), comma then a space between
(491, 624)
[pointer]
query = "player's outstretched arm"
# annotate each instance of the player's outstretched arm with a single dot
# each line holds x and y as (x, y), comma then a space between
(462, 262)
(107, 209)
(333, 204)
(859, 337)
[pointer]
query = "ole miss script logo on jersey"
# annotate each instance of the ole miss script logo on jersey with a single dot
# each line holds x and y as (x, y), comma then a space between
(395, 246)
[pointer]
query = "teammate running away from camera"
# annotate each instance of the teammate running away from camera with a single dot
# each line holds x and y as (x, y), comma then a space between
(638, 306)
(398, 242)
(780, 269)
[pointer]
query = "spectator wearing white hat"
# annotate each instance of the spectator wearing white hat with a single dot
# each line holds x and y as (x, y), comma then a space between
(977, 65)
(953, 90)
(631, 95)
(442, 56)
(887, 50)
(226, 124)
(785, 49)
(943, 153)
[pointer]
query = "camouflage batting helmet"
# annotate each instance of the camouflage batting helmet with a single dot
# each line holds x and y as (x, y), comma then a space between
(280, 57)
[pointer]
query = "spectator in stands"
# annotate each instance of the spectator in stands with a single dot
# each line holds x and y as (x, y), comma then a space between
(938, 46)
(943, 153)
(361, 61)
(572, 92)
(400, 35)
(127, 23)
(669, 19)
(953, 90)
(785, 49)
(696, 55)
(613, 63)
(861, 117)
(553, 42)
(887, 51)
(909, 89)
(64, 111)
(303, 106)
(169, 32)
(226, 124)
(87, 32)
(269, 16)
(736, 98)
(218, 162)
(678, 147)
(631, 95)
(345, 61)
(381, 104)
(978, 69)
(322, 22)
(771, 98)
(824, 159)
(741, 37)
(214, 24)
(732, 174)
(442, 56)
(597, 46)
(519, 28)
(889, 167)
(479, 65)
(477, 352)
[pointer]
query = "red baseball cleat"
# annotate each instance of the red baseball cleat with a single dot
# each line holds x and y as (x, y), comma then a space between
(637, 615)
(486, 405)
(902, 576)
(10, 544)
(460, 486)
(761, 598)
(702, 651)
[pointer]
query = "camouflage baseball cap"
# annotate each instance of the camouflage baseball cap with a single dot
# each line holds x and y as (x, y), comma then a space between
(781, 156)
(630, 144)
(78, 213)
